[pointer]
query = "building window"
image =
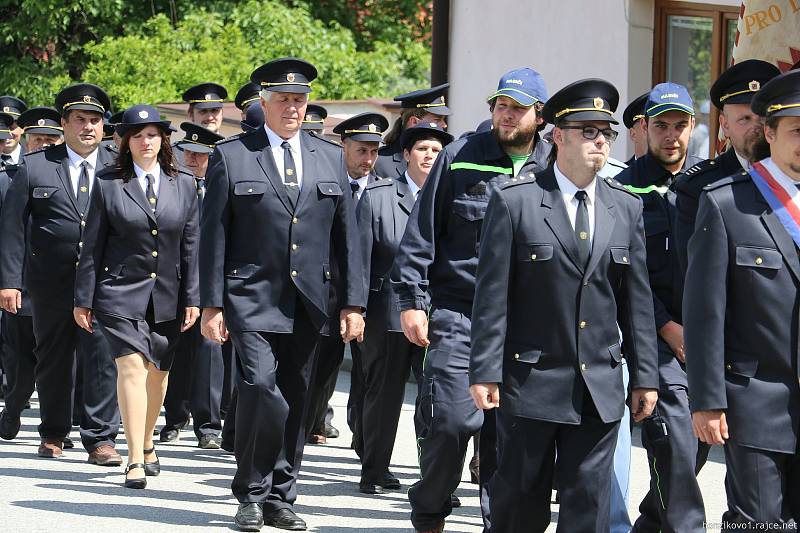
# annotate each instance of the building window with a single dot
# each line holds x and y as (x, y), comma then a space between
(693, 45)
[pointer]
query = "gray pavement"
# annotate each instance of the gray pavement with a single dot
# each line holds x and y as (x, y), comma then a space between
(192, 493)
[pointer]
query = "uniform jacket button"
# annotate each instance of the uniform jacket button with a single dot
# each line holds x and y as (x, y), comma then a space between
(583, 324)
(584, 367)
(294, 273)
(759, 260)
(154, 232)
(153, 275)
(516, 356)
(154, 253)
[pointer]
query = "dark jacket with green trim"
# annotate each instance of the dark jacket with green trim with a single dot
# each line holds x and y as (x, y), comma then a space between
(544, 325)
(740, 308)
(688, 187)
(438, 256)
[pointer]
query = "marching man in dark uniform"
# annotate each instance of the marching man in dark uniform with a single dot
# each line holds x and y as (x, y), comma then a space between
(52, 191)
(573, 244)
(434, 279)
(731, 94)
(277, 198)
(634, 119)
(386, 355)
(423, 105)
(246, 97)
(12, 149)
(741, 308)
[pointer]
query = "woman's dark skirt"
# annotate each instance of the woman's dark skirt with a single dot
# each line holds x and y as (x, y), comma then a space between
(155, 341)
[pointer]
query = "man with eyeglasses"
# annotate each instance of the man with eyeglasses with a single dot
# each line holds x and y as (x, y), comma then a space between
(674, 502)
(562, 271)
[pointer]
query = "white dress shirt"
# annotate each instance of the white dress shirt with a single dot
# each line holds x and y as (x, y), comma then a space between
(362, 183)
(141, 177)
(568, 190)
(742, 161)
(275, 147)
(412, 186)
(75, 162)
(16, 154)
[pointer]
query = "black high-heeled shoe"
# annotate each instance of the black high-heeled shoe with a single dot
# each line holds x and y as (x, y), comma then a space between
(152, 468)
(137, 483)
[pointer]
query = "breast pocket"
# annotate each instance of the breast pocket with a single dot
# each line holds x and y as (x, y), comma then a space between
(44, 193)
(329, 189)
(756, 265)
(535, 253)
(249, 190)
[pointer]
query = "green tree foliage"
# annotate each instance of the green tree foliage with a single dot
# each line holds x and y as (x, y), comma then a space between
(151, 50)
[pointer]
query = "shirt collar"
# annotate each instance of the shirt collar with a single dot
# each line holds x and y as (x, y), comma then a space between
(568, 189)
(16, 154)
(413, 187)
(362, 181)
(276, 140)
(75, 160)
(742, 161)
(140, 173)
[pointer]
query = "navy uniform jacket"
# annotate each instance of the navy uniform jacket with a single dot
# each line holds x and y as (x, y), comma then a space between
(382, 217)
(688, 187)
(6, 177)
(741, 307)
(42, 192)
(131, 255)
(439, 249)
(390, 163)
(544, 327)
(258, 256)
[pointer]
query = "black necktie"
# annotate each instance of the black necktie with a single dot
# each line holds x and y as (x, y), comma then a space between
(83, 188)
(290, 173)
(582, 228)
(151, 192)
(354, 187)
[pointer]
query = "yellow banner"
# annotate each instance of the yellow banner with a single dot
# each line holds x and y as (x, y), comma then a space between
(769, 30)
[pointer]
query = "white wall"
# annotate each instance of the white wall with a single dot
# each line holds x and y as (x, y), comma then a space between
(565, 40)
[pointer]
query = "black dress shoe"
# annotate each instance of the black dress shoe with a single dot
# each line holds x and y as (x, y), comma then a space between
(389, 481)
(9, 425)
(152, 468)
(68, 444)
(331, 432)
(249, 517)
(168, 435)
(209, 442)
(285, 519)
(135, 483)
(454, 501)
(368, 487)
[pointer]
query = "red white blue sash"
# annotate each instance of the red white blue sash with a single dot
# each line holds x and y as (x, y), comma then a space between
(780, 197)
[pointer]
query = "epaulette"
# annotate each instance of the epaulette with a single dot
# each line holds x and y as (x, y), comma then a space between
(236, 137)
(323, 139)
(614, 184)
(738, 177)
(182, 172)
(700, 168)
(380, 182)
(38, 150)
(522, 179)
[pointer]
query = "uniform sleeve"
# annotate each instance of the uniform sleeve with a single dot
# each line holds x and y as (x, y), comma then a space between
(189, 255)
(214, 229)
(635, 314)
(490, 306)
(15, 214)
(93, 249)
(348, 249)
(704, 302)
(364, 218)
(417, 250)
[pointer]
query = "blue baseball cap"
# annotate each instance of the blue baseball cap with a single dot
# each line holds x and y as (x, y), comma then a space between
(524, 85)
(668, 97)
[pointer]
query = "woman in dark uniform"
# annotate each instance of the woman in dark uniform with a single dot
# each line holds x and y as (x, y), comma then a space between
(138, 273)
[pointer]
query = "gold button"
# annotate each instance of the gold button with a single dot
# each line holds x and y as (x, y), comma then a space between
(294, 220)
(153, 275)
(533, 257)
(294, 246)
(154, 253)
(80, 244)
(249, 190)
(330, 190)
(83, 223)
(624, 259)
(235, 271)
(327, 273)
(45, 195)
(728, 367)
(584, 367)
(76, 264)
(154, 232)
(516, 356)
(294, 273)
(582, 325)
(585, 283)
(105, 269)
(759, 260)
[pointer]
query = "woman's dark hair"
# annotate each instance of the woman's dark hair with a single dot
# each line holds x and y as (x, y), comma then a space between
(166, 159)
(400, 124)
(772, 122)
(421, 136)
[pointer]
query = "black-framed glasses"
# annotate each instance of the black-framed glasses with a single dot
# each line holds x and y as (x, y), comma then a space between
(591, 133)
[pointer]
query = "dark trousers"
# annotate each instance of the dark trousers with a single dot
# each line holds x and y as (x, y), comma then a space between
(19, 361)
(387, 357)
(354, 399)
(674, 503)
(763, 488)
(59, 339)
(450, 419)
(531, 452)
(331, 354)
(276, 371)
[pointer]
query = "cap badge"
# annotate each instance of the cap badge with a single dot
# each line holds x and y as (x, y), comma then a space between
(87, 99)
(598, 103)
(6, 109)
(441, 99)
(290, 77)
(308, 118)
(143, 114)
(40, 122)
(754, 85)
(209, 97)
(194, 136)
(372, 128)
(433, 125)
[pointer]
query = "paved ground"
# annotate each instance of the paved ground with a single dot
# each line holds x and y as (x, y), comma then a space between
(192, 493)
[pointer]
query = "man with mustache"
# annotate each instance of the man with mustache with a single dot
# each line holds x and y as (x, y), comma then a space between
(731, 94)
(50, 197)
(667, 435)
(434, 278)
